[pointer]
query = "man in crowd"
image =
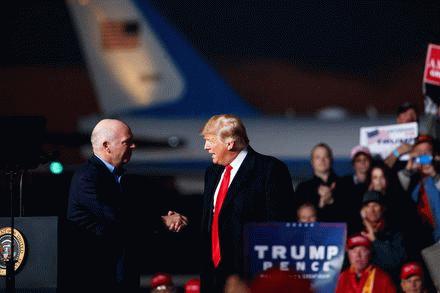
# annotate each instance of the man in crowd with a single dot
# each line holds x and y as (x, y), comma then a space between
(411, 277)
(406, 113)
(362, 276)
(421, 179)
(103, 215)
(162, 283)
(387, 242)
(323, 188)
(192, 286)
(241, 186)
(427, 125)
(356, 183)
(307, 213)
(354, 186)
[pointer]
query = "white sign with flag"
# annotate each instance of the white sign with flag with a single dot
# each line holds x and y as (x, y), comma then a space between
(382, 140)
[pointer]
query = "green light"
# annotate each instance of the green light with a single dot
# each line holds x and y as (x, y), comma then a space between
(56, 167)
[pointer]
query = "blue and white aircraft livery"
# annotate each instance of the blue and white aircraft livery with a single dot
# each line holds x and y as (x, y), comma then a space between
(146, 74)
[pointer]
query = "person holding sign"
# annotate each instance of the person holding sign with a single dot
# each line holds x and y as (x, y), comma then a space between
(241, 186)
(406, 113)
(362, 276)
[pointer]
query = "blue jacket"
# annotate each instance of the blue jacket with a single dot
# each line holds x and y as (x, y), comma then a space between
(434, 202)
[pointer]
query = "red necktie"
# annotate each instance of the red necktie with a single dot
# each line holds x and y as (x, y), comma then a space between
(424, 207)
(218, 205)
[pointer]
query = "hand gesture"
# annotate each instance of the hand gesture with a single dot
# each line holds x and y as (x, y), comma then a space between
(412, 166)
(326, 194)
(370, 232)
(174, 221)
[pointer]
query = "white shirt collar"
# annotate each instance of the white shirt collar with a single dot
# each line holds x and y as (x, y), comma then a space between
(236, 163)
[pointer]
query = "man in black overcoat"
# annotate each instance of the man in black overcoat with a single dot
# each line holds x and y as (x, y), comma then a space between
(258, 187)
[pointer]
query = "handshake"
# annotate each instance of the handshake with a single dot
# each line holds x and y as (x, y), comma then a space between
(175, 222)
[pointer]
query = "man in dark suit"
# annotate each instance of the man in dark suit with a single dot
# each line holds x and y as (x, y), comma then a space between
(102, 212)
(258, 187)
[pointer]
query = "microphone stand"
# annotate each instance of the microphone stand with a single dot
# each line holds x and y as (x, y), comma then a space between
(10, 262)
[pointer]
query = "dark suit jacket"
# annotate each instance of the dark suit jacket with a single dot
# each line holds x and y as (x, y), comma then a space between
(103, 220)
(256, 194)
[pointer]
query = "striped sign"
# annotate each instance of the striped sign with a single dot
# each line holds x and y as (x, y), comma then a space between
(116, 35)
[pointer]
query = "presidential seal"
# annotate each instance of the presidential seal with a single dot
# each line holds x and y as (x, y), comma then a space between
(5, 248)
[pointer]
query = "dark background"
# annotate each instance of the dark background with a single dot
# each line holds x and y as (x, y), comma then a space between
(339, 35)
(281, 51)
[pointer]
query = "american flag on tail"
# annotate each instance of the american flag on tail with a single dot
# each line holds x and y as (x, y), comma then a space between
(119, 34)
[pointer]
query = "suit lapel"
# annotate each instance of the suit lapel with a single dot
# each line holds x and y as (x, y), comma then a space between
(209, 192)
(243, 174)
(110, 178)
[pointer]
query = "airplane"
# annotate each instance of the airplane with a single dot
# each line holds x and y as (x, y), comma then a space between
(146, 74)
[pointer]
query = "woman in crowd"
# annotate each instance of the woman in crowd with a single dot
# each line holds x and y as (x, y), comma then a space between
(400, 210)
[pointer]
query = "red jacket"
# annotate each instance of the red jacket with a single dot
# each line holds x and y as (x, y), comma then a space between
(373, 280)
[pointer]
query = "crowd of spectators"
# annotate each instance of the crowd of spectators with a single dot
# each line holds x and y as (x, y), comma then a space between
(391, 206)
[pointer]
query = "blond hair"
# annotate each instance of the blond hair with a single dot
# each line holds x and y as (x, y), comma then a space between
(227, 127)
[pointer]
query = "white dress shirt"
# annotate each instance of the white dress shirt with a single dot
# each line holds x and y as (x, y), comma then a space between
(235, 164)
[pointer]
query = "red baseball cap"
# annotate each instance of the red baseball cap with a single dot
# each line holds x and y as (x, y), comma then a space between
(358, 240)
(192, 286)
(161, 279)
(411, 269)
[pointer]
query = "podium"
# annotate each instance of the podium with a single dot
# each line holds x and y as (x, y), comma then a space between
(38, 269)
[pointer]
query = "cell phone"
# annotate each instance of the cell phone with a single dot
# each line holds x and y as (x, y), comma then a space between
(423, 159)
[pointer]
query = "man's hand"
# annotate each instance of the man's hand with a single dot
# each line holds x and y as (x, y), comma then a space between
(370, 232)
(174, 221)
(404, 148)
(411, 165)
(326, 194)
(391, 159)
(424, 169)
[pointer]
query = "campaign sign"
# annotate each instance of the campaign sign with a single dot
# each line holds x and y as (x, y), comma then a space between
(313, 250)
(432, 65)
(382, 140)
